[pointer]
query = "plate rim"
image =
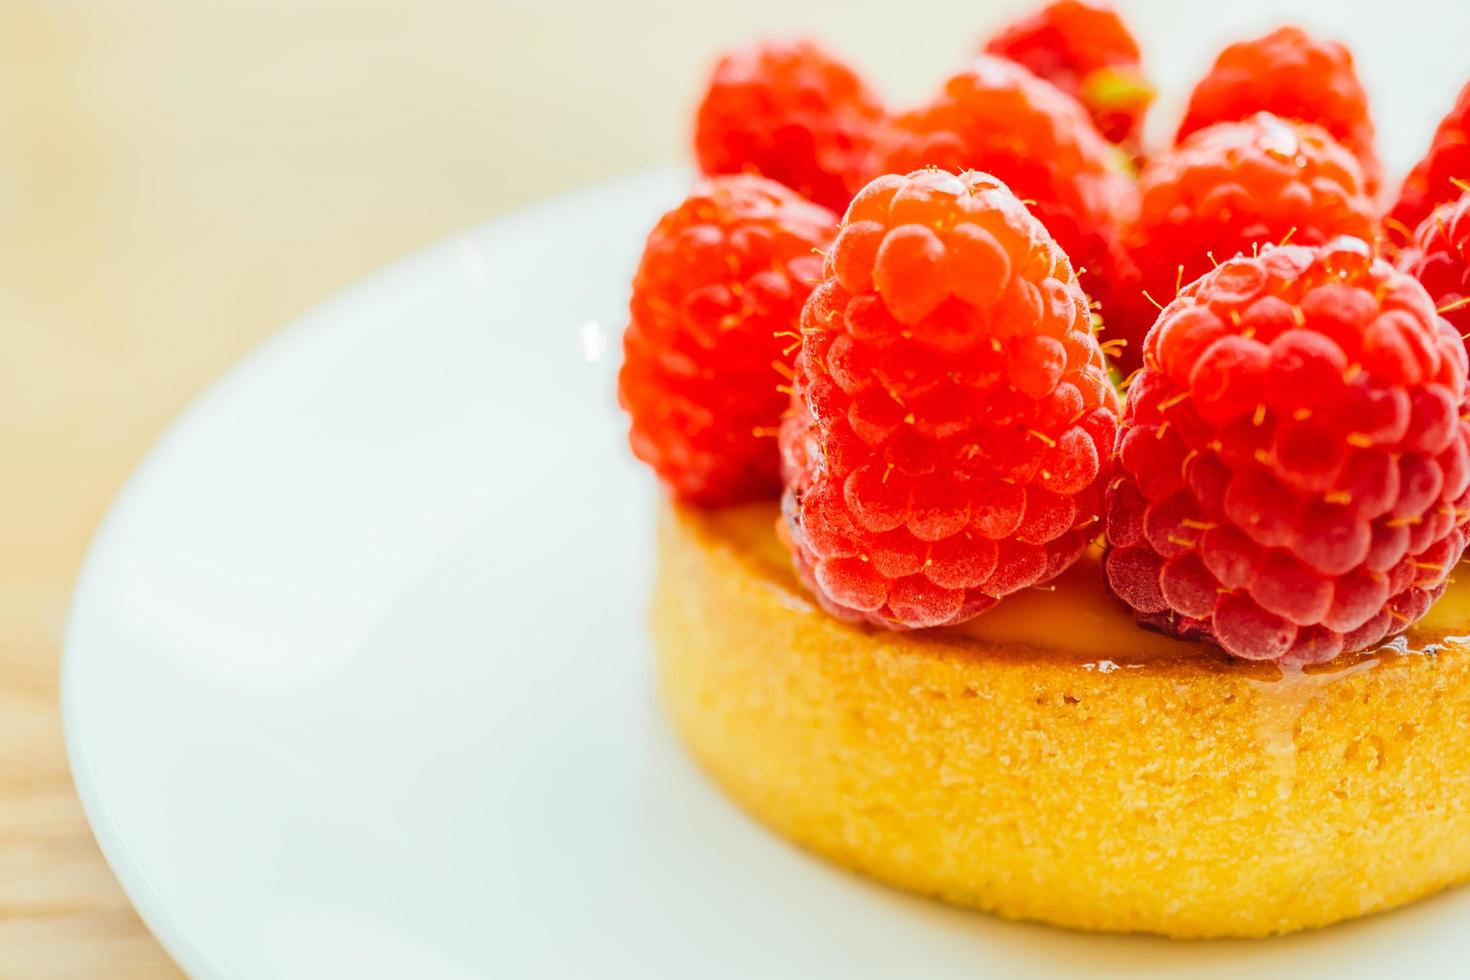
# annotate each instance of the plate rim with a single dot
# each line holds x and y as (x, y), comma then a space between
(172, 931)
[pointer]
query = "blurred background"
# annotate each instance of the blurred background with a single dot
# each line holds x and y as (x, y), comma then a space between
(179, 179)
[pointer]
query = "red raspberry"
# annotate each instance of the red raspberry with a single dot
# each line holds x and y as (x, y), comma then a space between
(953, 417)
(1295, 473)
(714, 310)
(999, 118)
(1440, 176)
(793, 112)
(1440, 260)
(1227, 190)
(1292, 74)
(1086, 50)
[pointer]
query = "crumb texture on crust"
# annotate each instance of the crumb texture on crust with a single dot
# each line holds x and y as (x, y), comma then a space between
(1157, 789)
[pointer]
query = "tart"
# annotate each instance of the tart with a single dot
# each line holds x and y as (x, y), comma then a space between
(1176, 651)
(1051, 761)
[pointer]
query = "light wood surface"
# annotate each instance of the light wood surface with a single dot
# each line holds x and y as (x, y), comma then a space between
(179, 179)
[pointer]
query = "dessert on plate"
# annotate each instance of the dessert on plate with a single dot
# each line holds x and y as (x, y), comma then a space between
(1142, 625)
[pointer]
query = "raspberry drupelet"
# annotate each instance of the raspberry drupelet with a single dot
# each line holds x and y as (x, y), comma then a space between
(1226, 190)
(1294, 468)
(1439, 177)
(709, 344)
(1086, 50)
(953, 419)
(1294, 75)
(792, 112)
(999, 118)
(1440, 259)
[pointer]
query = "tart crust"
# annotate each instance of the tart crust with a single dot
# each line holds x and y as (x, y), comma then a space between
(1052, 761)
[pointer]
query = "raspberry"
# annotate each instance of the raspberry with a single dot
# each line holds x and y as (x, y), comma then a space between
(1294, 471)
(1294, 75)
(999, 118)
(953, 417)
(1440, 260)
(793, 112)
(1440, 176)
(1225, 190)
(1086, 50)
(715, 304)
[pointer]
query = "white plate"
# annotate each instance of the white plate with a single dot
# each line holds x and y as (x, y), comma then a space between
(356, 680)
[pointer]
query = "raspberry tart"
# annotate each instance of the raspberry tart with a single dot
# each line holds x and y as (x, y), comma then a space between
(960, 611)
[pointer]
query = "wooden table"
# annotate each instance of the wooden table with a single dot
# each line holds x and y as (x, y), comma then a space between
(177, 180)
